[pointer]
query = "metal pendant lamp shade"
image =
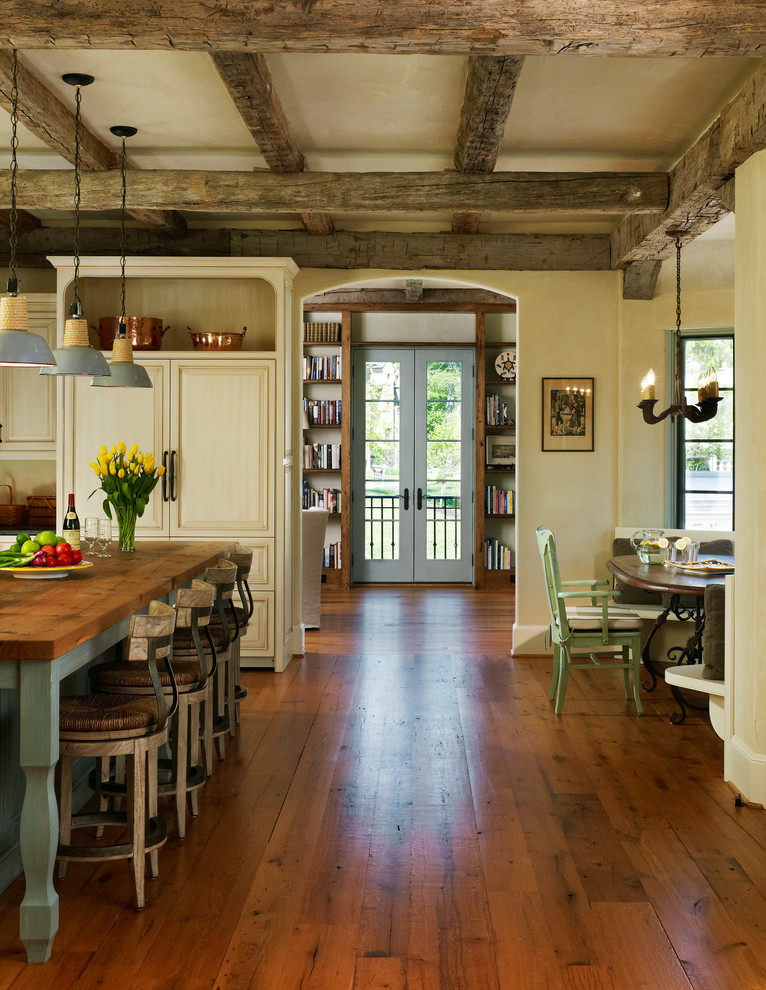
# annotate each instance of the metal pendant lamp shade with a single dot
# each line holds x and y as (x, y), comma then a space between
(125, 373)
(18, 347)
(76, 356)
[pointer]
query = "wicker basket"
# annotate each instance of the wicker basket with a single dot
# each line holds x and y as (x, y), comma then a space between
(42, 511)
(11, 516)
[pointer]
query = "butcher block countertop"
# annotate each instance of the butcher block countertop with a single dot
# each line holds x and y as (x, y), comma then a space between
(43, 619)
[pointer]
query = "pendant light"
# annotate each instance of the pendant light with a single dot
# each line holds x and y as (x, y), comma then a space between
(18, 347)
(124, 372)
(707, 388)
(76, 356)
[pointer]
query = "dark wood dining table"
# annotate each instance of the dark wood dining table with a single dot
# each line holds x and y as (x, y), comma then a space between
(49, 629)
(679, 585)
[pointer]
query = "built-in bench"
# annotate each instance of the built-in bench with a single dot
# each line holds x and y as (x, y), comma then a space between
(706, 678)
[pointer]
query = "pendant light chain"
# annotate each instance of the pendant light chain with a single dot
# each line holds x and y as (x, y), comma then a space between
(78, 100)
(679, 371)
(123, 244)
(13, 286)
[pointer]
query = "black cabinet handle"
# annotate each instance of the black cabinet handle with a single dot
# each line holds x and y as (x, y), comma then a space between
(420, 498)
(172, 476)
(165, 476)
(406, 498)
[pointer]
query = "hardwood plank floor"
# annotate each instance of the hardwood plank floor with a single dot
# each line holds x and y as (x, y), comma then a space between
(402, 809)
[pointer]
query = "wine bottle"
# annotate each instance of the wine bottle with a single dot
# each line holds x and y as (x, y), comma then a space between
(71, 525)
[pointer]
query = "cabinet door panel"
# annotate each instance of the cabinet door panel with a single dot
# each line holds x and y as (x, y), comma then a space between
(108, 415)
(224, 448)
(28, 400)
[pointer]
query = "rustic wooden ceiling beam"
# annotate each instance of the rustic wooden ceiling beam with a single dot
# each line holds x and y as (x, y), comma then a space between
(401, 252)
(559, 27)
(489, 88)
(248, 80)
(45, 116)
(396, 300)
(700, 183)
(331, 192)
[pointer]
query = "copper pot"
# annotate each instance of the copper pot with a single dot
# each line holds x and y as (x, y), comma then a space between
(209, 340)
(145, 332)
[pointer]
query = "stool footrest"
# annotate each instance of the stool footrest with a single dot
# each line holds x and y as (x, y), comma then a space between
(156, 835)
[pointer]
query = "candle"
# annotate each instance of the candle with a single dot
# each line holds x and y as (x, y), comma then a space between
(702, 388)
(647, 387)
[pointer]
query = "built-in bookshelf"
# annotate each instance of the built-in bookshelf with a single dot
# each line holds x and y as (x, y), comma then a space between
(326, 339)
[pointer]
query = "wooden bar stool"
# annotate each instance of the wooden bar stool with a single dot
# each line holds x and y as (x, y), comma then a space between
(223, 630)
(105, 726)
(182, 775)
(242, 557)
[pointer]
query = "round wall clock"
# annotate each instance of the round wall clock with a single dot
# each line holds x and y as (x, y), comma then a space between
(505, 365)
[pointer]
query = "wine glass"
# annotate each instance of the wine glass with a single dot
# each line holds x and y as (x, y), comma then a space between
(90, 535)
(104, 537)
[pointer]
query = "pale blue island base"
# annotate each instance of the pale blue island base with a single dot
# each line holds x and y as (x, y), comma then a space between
(89, 613)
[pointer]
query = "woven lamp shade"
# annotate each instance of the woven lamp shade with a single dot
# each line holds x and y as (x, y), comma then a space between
(122, 350)
(13, 313)
(76, 332)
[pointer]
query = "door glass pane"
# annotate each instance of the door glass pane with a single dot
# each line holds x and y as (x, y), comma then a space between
(707, 449)
(382, 459)
(443, 453)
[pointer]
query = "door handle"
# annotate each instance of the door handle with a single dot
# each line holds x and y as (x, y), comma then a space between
(172, 476)
(406, 498)
(165, 476)
(420, 498)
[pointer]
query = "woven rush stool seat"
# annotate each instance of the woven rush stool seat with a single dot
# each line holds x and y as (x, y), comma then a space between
(183, 774)
(220, 631)
(103, 727)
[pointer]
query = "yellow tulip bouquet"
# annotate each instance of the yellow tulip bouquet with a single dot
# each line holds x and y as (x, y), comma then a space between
(128, 478)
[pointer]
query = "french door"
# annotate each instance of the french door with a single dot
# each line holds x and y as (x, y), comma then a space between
(412, 464)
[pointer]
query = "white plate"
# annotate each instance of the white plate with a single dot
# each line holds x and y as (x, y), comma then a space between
(43, 573)
(704, 567)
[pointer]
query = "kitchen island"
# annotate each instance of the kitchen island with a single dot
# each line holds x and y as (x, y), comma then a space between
(48, 629)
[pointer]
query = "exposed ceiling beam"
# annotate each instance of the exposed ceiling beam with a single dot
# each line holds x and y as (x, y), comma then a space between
(700, 182)
(489, 89)
(248, 80)
(438, 299)
(639, 279)
(507, 27)
(24, 221)
(402, 252)
(328, 192)
(45, 116)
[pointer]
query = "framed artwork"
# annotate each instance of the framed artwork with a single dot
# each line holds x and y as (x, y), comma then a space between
(501, 451)
(567, 414)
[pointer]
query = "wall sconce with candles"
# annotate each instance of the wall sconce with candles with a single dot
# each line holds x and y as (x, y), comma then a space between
(707, 384)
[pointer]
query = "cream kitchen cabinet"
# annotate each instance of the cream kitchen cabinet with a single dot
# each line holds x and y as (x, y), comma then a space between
(219, 420)
(27, 399)
(208, 422)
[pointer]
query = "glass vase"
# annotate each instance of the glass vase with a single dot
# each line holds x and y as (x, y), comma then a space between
(126, 525)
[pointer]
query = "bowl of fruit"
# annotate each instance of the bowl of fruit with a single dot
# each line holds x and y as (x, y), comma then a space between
(43, 556)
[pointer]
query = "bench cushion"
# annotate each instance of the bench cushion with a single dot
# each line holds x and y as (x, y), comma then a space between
(713, 633)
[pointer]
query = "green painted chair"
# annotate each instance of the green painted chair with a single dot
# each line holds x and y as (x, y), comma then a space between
(595, 636)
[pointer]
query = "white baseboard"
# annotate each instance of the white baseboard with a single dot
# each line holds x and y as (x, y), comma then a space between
(746, 771)
(529, 640)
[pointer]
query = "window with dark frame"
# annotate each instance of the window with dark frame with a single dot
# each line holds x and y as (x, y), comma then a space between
(704, 474)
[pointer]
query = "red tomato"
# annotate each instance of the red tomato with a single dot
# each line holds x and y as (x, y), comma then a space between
(64, 559)
(48, 550)
(76, 556)
(50, 562)
(63, 548)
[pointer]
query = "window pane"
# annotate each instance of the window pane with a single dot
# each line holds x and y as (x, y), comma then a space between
(443, 380)
(709, 511)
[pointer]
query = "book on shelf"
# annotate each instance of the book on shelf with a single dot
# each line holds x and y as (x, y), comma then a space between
(321, 456)
(322, 367)
(321, 498)
(496, 412)
(331, 559)
(497, 557)
(321, 333)
(323, 412)
(499, 502)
